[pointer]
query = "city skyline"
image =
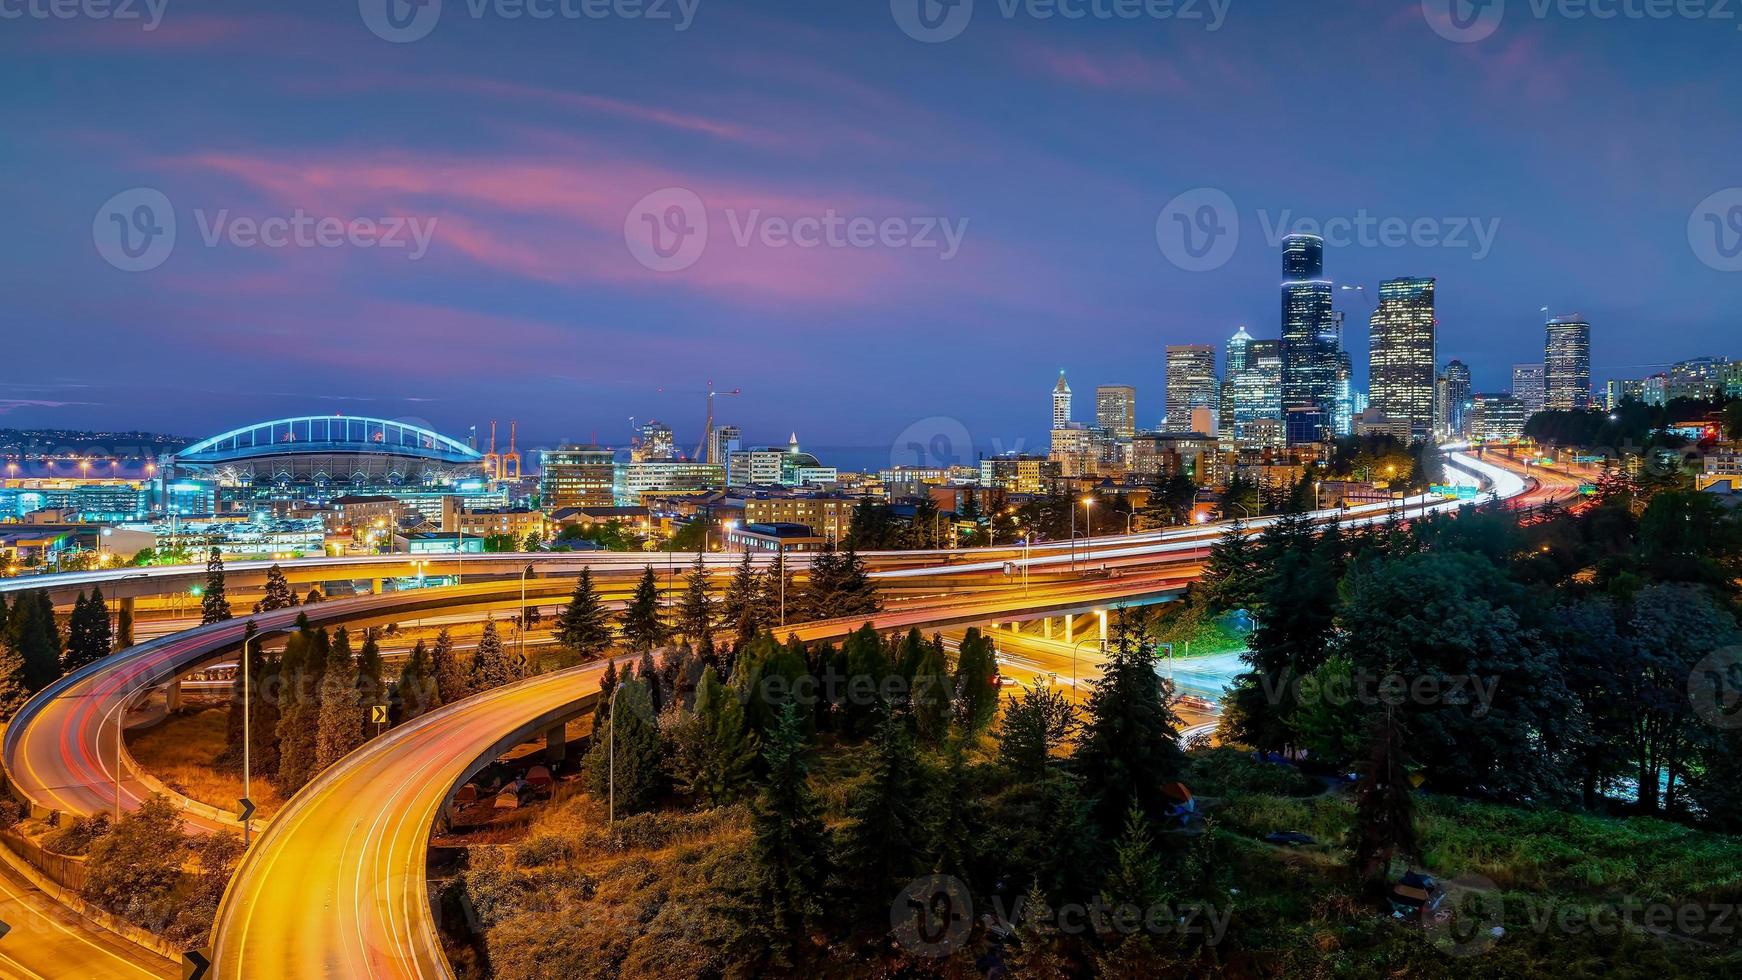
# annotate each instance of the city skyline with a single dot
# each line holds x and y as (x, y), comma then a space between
(450, 337)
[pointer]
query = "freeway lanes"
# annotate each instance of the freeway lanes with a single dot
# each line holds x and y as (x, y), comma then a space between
(49, 941)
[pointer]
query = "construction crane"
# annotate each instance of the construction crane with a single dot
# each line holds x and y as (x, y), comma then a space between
(497, 466)
(705, 452)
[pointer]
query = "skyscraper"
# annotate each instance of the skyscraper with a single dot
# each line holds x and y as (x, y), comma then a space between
(1400, 363)
(1191, 384)
(1255, 395)
(1061, 403)
(1527, 386)
(1452, 413)
(1567, 364)
(1116, 410)
(1235, 356)
(1309, 338)
(656, 442)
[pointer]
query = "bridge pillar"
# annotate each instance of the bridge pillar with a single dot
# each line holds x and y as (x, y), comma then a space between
(172, 695)
(1046, 626)
(375, 587)
(1102, 615)
(1070, 626)
(556, 744)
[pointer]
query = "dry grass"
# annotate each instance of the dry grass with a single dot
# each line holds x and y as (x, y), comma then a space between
(183, 752)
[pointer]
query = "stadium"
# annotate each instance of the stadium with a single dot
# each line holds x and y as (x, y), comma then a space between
(319, 457)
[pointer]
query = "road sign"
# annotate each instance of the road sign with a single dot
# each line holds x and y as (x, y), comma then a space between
(4, 928)
(247, 813)
(378, 714)
(194, 964)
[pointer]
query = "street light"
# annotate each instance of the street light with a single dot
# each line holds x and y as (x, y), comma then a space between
(1074, 647)
(522, 625)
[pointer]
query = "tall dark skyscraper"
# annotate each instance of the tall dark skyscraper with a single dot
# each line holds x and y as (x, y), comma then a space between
(1400, 364)
(1309, 333)
(1567, 363)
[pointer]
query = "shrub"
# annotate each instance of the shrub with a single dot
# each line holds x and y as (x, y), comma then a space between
(75, 839)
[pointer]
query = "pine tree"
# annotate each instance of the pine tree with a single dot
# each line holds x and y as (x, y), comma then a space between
(822, 591)
(314, 596)
(1130, 744)
(790, 842)
(302, 670)
(932, 698)
(416, 688)
(371, 689)
(1384, 808)
(13, 690)
(35, 636)
(976, 683)
(631, 735)
(648, 673)
(278, 594)
(1231, 578)
(102, 634)
(778, 600)
(450, 679)
(608, 681)
(584, 626)
(738, 608)
(725, 755)
(124, 628)
(856, 594)
(1034, 952)
(641, 627)
(876, 847)
(1033, 725)
(695, 615)
(214, 604)
(490, 665)
(341, 716)
(1135, 879)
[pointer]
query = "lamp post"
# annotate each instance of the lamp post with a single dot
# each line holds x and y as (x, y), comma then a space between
(611, 756)
(1074, 647)
(1025, 562)
(522, 626)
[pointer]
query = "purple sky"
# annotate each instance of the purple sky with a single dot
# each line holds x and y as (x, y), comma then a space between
(523, 147)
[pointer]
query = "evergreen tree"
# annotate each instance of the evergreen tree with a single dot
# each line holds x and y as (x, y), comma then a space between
(371, 686)
(866, 666)
(695, 616)
(490, 664)
(648, 673)
(976, 684)
(778, 600)
(214, 603)
(641, 626)
(1299, 609)
(1135, 878)
(278, 594)
(790, 840)
(35, 636)
(302, 669)
(876, 847)
(1033, 726)
(1034, 950)
(725, 754)
(416, 688)
(631, 735)
(314, 596)
(450, 678)
(822, 591)
(13, 689)
(1384, 808)
(1130, 744)
(124, 628)
(584, 626)
(1232, 577)
(932, 700)
(738, 608)
(608, 682)
(340, 722)
(856, 595)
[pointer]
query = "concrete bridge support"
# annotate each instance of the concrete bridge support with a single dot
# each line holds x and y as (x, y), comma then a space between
(172, 695)
(1070, 626)
(556, 744)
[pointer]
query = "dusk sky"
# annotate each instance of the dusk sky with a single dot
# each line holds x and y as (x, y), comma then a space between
(525, 149)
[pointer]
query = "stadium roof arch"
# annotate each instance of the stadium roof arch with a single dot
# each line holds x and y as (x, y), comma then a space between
(329, 435)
